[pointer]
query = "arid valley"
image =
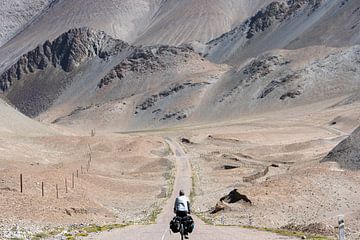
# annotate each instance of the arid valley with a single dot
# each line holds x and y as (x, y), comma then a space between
(109, 108)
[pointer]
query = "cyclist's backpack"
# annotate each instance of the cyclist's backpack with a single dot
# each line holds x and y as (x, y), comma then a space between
(175, 225)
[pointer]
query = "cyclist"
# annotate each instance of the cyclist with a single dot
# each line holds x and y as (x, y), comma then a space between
(182, 207)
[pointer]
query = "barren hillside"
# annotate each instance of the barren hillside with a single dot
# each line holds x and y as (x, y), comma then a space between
(12, 122)
(87, 78)
(291, 25)
(179, 22)
(144, 86)
(15, 15)
(283, 79)
(40, 76)
(141, 21)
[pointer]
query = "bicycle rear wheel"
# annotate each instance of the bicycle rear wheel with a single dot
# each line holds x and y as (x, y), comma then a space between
(182, 231)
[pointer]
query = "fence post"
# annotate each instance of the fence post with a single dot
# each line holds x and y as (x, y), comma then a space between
(93, 132)
(72, 181)
(89, 147)
(341, 227)
(21, 183)
(89, 161)
(57, 191)
(66, 187)
(42, 189)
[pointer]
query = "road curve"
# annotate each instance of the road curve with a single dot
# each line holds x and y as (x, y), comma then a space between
(160, 230)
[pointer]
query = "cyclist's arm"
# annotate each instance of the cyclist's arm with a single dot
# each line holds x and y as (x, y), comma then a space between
(175, 204)
(189, 211)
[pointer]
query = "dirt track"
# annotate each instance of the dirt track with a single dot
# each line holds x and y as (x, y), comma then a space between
(160, 230)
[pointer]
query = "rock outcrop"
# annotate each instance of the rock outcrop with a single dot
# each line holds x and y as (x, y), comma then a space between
(240, 40)
(263, 19)
(278, 83)
(150, 102)
(66, 52)
(276, 11)
(233, 197)
(261, 67)
(148, 59)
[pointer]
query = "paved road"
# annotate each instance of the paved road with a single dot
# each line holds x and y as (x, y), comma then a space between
(160, 230)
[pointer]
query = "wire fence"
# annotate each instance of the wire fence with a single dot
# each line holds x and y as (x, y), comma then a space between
(68, 180)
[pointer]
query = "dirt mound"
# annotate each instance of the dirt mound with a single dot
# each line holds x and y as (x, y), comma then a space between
(312, 228)
(347, 153)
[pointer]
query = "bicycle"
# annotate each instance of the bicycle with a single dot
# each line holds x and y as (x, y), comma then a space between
(183, 230)
(182, 225)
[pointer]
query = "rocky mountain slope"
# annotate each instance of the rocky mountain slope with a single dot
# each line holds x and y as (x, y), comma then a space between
(347, 153)
(178, 22)
(86, 75)
(15, 15)
(288, 24)
(235, 30)
(46, 68)
(283, 79)
(84, 70)
(145, 22)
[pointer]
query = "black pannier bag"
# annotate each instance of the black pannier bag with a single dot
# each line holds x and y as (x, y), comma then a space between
(187, 221)
(175, 224)
(189, 224)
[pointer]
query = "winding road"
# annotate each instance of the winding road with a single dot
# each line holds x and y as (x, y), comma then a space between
(160, 230)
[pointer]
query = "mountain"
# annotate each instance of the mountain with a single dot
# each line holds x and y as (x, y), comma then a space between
(47, 69)
(146, 22)
(283, 79)
(347, 153)
(87, 76)
(178, 22)
(289, 25)
(84, 70)
(152, 63)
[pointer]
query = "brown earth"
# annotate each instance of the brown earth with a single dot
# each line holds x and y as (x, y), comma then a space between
(127, 179)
